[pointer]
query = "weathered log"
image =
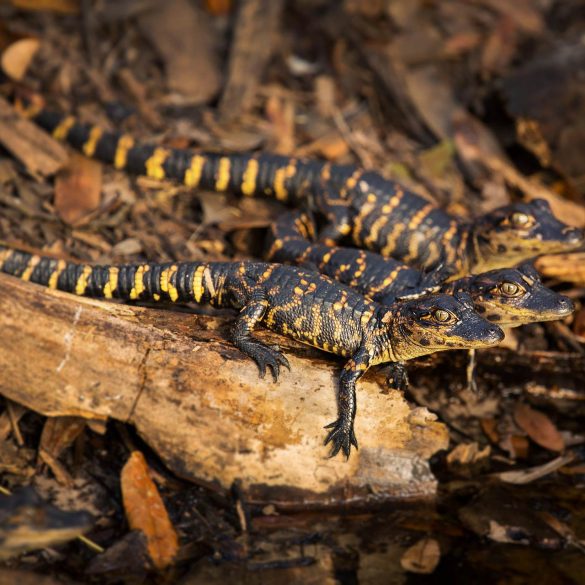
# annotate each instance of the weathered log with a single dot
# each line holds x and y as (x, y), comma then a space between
(200, 403)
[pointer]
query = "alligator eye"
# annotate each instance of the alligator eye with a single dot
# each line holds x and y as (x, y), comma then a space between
(521, 220)
(441, 316)
(511, 289)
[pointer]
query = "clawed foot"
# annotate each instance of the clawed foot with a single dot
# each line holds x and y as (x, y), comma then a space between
(342, 436)
(266, 356)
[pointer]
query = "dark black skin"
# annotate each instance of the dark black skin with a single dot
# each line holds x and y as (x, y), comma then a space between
(295, 302)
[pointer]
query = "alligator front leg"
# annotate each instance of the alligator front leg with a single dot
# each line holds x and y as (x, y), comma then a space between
(262, 354)
(342, 433)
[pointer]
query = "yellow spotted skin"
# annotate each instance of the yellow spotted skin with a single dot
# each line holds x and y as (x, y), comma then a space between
(374, 213)
(298, 303)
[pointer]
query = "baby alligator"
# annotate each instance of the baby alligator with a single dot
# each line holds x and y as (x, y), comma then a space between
(359, 205)
(298, 303)
(508, 296)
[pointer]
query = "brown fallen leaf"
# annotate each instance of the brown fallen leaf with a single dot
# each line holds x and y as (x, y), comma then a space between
(466, 454)
(146, 512)
(59, 432)
(17, 57)
(63, 6)
(538, 427)
(78, 189)
(422, 557)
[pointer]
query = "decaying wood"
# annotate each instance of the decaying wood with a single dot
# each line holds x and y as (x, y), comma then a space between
(200, 403)
(37, 151)
(254, 37)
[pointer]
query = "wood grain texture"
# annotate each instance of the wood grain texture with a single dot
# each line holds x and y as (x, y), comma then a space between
(200, 403)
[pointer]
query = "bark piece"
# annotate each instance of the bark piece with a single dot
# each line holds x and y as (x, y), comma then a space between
(201, 405)
(254, 37)
(28, 143)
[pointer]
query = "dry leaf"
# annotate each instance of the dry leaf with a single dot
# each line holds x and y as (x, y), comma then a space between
(17, 57)
(59, 433)
(538, 427)
(218, 7)
(467, 454)
(64, 6)
(145, 511)
(423, 557)
(78, 189)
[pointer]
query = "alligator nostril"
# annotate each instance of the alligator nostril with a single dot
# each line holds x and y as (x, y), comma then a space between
(495, 335)
(573, 235)
(566, 306)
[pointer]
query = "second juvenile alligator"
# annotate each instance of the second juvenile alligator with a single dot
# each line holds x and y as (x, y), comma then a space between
(292, 301)
(357, 205)
(508, 296)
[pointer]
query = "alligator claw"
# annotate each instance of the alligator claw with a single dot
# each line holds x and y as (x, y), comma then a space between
(341, 436)
(266, 356)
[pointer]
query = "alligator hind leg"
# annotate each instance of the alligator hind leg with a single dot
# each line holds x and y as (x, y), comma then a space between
(342, 433)
(264, 355)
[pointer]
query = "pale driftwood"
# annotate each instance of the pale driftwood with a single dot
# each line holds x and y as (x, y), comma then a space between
(200, 404)
(28, 143)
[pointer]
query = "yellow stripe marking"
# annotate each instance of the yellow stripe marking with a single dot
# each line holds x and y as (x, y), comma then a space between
(156, 296)
(5, 253)
(280, 177)
(223, 174)
(446, 243)
(33, 261)
(198, 288)
(249, 179)
(62, 129)
(138, 287)
(154, 164)
(61, 265)
(392, 239)
(417, 238)
(81, 284)
(375, 230)
(94, 135)
(193, 173)
(112, 284)
(173, 292)
(125, 143)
